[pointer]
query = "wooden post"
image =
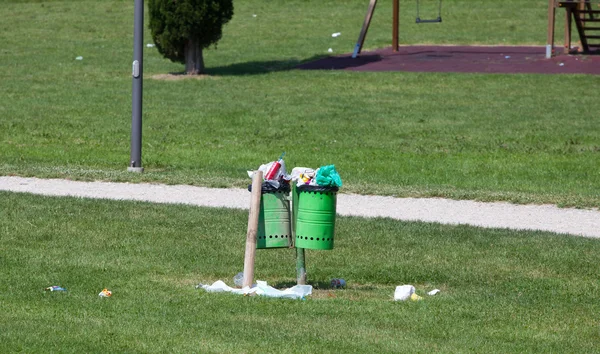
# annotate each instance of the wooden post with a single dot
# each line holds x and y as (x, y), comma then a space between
(257, 178)
(395, 20)
(550, 36)
(583, 46)
(364, 29)
(567, 43)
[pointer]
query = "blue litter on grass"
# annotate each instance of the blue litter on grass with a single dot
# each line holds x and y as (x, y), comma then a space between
(55, 288)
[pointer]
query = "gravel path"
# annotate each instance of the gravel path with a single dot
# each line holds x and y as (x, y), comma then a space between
(494, 215)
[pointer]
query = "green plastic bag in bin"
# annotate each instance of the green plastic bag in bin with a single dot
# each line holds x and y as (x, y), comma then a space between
(327, 176)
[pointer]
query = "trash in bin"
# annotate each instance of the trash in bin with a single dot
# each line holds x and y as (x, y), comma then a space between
(274, 173)
(324, 176)
(315, 198)
(327, 176)
(274, 224)
(303, 175)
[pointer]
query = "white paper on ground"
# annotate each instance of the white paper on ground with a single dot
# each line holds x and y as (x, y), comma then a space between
(433, 292)
(263, 289)
(403, 292)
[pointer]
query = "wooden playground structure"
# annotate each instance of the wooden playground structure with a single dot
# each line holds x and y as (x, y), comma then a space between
(587, 23)
(581, 12)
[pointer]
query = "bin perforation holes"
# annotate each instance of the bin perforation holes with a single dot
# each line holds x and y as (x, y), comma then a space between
(311, 238)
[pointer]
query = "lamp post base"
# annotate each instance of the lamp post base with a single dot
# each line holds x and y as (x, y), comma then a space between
(135, 169)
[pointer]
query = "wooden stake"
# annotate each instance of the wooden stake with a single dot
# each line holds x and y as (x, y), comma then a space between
(395, 20)
(568, 26)
(550, 34)
(257, 178)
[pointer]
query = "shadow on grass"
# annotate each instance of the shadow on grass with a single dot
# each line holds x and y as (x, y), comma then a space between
(340, 62)
(320, 285)
(317, 285)
(316, 62)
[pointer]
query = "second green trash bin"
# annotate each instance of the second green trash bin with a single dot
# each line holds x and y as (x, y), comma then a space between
(314, 216)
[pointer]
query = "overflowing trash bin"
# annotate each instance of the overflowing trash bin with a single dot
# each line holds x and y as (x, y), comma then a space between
(274, 224)
(314, 201)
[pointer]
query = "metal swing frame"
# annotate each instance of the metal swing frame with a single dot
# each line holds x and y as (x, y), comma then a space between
(395, 21)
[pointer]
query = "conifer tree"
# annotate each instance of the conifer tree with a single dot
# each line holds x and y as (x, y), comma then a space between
(182, 29)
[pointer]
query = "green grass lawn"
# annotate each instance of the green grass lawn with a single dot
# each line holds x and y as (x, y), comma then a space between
(521, 138)
(501, 291)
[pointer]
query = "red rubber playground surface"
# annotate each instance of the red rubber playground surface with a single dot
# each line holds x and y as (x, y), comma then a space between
(462, 59)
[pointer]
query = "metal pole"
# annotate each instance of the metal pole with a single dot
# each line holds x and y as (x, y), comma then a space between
(300, 257)
(300, 267)
(135, 162)
(396, 12)
(364, 29)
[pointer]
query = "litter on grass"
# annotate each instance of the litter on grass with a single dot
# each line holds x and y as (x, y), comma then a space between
(403, 292)
(79, 58)
(238, 279)
(55, 288)
(261, 288)
(149, 45)
(338, 283)
(330, 50)
(105, 293)
(415, 297)
(336, 34)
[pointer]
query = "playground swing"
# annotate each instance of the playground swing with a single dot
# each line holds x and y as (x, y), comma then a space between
(395, 20)
(435, 20)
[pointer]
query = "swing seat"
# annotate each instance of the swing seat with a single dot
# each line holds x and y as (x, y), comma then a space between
(436, 20)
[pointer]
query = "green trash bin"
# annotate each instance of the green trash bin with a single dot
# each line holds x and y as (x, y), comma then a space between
(314, 216)
(274, 225)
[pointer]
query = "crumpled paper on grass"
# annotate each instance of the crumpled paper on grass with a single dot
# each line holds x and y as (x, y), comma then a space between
(260, 288)
(403, 292)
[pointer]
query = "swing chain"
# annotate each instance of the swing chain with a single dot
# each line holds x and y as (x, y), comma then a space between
(438, 19)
